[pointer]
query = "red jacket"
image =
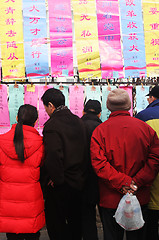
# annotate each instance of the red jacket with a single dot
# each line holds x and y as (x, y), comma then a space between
(21, 199)
(124, 148)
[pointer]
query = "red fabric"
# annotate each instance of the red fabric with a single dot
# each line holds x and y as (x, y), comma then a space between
(21, 199)
(124, 148)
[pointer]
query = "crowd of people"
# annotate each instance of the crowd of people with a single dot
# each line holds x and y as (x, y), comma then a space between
(79, 166)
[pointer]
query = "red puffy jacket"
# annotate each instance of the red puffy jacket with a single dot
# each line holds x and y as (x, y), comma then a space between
(21, 199)
(124, 148)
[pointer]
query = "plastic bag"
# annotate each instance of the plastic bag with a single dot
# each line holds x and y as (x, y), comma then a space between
(128, 214)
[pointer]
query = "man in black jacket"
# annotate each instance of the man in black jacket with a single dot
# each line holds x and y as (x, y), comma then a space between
(65, 165)
(91, 119)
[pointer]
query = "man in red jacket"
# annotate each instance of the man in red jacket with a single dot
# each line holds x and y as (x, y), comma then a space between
(125, 156)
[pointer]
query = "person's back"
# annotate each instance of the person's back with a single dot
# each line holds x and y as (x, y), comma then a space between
(150, 115)
(68, 130)
(91, 119)
(125, 156)
(65, 167)
(21, 199)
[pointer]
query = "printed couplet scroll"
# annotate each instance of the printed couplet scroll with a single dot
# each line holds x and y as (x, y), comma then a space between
(11, 34)
(86, 35)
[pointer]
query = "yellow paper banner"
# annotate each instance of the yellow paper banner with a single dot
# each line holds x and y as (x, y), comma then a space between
(11, 36)
(86, 35)
(151, 29)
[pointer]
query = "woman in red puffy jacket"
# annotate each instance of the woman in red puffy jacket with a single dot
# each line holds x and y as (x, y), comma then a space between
(21, 200)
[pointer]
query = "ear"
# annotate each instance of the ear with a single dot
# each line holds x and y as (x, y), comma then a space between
(17, 118)
(99, 115)
(51, 106)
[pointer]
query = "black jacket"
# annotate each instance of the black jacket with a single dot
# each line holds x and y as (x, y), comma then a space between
(91, 191)
(65, 147)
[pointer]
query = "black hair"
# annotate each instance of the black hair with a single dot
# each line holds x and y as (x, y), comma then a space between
(53, 95)
(27, 115)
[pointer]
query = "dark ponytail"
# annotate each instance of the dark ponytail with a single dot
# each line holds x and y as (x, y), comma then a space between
(27, 115)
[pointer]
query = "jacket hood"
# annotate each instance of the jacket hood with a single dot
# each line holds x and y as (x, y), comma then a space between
(32, 142)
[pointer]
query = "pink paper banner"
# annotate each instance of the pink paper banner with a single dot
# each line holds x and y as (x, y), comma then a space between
(129, 90)
(4, 111)
(61, 41)
(76, 98)
(109, 38)
(43, 116)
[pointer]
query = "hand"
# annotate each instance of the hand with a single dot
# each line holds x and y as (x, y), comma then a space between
(132, 189)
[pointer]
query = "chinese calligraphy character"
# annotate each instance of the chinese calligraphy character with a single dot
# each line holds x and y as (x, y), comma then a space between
(10, 10)
(11, 33)
(107, 15)
(36, 53)
(129, 2)
(87, 49)
(61, 41)
(9, 0)
(12, 56)
(60, 19)
(38, 42)
(131, 25)
(35, 20)
(131, 14)
(34, 31)
(109, 38)
(10, 21)
(154, 26)
(83, 2)
(34, 8)
(11, 44)
(108, 26)
(153, 11)
(62, 53)
(133, 36)
(155, 42)
(61, 7)
(133, 47)
(83, 16)
(61, 29)
(85, 34)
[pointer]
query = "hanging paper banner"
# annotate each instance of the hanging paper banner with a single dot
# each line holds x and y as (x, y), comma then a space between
(35, 38)
(61, 37)
(4, 111)
(151, 28)
(0, 62)
(105, 111)
(133, 38)
(64, 90)
(93, 92)
(86, 35)
(76, 99)
(109, 38)
(43, 116)
(31, 96)
(11, 35)
(16, 99)
(129, 91)
(141, 99)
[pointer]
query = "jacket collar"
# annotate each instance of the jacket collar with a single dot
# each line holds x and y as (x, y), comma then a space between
(119, 113)
(154, 103)
(27, 128)
(91, 116)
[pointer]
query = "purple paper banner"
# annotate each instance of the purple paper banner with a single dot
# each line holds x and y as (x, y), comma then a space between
(61, 35)
(109, 38)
